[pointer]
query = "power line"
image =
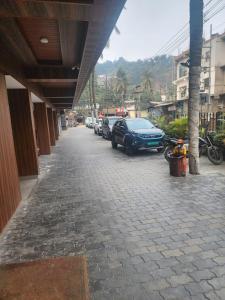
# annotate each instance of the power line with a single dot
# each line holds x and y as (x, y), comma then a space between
(221, 8)
(174, 36)
(212, 7)
(208, 3)
(180, 37)
(178, 42)
(184, 37)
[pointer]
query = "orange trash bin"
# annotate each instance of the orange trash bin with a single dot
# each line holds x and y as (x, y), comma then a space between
(178, 166)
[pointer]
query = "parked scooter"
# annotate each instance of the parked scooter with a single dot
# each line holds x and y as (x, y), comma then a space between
(206, 145)
(170, 144)
(214, 152)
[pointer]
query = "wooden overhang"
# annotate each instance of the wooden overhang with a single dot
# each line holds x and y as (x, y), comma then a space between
(51, 46)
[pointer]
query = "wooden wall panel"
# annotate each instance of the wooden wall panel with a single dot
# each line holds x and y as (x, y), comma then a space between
(55, 119)
(51, 126)
(42, 130)
(21, 110)
(9, 181)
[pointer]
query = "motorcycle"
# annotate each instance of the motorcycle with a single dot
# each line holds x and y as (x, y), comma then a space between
(214, 152)
(206, 145)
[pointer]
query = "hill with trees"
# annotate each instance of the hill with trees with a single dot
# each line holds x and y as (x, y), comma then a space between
(160, 68)
(153, 76)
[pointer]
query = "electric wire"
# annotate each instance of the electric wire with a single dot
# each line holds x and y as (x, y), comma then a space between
(221, 8)
(181, 36)
(212, 7)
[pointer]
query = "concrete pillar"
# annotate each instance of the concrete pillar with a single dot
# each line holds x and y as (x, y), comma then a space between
(21, 110)
(51, 126)
(42, 130)
(55, 119)
(9, 181)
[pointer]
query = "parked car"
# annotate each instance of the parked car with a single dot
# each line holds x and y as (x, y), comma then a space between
(90, 122)
(137, 134)
(107, 125)
(98, 127)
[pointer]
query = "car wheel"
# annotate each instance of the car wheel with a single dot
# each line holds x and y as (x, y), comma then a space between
(160, 150)
(129, 150)
(114, 144)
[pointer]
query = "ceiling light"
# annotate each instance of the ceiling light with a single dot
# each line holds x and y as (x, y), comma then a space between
(44, 40)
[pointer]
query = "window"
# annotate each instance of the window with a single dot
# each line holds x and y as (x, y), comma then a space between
(206, 83)
(112, 121)
(133, 124)
(207, 56)
(182, 71)
(183, 91)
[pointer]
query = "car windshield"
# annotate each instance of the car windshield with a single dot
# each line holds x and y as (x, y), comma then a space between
(112, 121)
(139, 124)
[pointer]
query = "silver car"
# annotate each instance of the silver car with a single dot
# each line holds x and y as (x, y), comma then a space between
(98, 127)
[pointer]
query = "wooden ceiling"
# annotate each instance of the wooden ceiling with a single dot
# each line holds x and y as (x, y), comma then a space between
(74, 33)
(35, 29)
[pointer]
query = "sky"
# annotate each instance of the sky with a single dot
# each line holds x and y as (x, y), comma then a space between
(146, 25)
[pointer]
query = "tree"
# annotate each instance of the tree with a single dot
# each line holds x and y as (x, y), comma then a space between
(196, 29)
(90, 96)
(121, 84)
(147, 84)
(93, 91)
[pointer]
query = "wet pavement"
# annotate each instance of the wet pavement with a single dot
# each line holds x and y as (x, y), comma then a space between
(146, 235)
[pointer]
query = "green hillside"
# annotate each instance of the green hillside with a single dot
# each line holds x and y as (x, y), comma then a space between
(160, 68)
(153, 75)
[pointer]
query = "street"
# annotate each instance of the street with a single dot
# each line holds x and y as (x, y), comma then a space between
(146, 235)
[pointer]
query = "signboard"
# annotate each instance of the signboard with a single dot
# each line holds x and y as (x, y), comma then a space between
(120, 109)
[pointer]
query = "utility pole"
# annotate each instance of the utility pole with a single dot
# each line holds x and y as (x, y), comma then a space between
(210, 63)
(138, 100)
(106, 92)
(93, 92)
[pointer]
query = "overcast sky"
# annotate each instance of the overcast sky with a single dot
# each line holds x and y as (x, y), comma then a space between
(146, 25)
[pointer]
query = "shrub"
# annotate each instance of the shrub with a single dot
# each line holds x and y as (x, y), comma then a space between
(219, 139)
(159, 122)
(177, 128)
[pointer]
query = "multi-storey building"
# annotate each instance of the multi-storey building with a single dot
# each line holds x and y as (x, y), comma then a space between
(212, 87)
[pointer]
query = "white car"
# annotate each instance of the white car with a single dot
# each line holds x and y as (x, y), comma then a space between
(89, 122)
(98, 127)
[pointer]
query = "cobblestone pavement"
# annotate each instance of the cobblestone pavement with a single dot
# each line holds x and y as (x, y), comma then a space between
(146, 235)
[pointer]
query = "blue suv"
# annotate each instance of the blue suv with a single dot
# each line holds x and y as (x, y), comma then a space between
(137, 134)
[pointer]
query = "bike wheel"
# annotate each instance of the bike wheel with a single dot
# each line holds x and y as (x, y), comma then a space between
(168, 151)
(215, 155)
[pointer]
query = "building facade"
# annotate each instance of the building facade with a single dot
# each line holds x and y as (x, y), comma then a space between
(212, 82)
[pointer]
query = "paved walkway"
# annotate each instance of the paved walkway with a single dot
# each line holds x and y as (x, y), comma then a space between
(146, 235)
